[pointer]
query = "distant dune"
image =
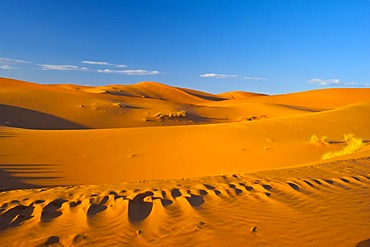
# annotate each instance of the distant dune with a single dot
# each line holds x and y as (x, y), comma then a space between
(154, 165)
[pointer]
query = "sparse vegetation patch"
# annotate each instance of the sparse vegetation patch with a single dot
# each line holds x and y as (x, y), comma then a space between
(319, 139)
(354, 144)
(175, 114)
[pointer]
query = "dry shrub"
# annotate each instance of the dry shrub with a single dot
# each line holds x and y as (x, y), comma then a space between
(353, 145)
(159, 115)
(348, 136)
(317, 139)
(175, 114)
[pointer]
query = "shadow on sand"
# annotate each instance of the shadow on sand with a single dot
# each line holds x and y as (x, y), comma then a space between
(25, 118)
(16, 176)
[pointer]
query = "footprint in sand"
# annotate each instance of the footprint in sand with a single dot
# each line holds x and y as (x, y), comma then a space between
(293, 186)
(329, 181)
(175, 193)
(74, 204)
(113, 193)
(52, 241)
(203, 192)
(16, 216)
(195, 200)
(79, 239)
(166, 202)
(217, 192)
(138, 208)
(249, 188)
(200, 225)
(96, 208)
(39, 201)
(210, 187)
(267, 187)
(309, 184)
(51, 210)
(237, 191)
(317, 181)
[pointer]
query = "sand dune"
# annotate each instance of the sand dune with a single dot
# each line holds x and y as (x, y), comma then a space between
(118, 106)
(239, 95)
(320, 99)
(211, 149)
(312, 206)
(154, 165)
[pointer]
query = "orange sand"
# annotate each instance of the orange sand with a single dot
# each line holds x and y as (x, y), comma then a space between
(150, 164)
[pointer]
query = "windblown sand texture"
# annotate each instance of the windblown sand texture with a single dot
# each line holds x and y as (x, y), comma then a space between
(154, 165)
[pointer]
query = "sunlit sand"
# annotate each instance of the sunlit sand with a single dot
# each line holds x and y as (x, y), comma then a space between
(153, 165)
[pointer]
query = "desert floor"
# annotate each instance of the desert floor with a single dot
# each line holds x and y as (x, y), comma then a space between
(154, 165)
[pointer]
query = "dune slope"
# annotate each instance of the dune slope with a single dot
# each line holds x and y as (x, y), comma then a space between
(154, 165)
(149, 104)
(83, 156)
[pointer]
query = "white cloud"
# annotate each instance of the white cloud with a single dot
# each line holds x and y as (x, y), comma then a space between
(129, 72)
(12, 61)
(120, 65)
(325, 82)
(61, 67)
(350, 83)
(95, 63)
(6, 67)
(336, 82)
(225, 76)
(107, 71)
(358, 84)
(104, 63)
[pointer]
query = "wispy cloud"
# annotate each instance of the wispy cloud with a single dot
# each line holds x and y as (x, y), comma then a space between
(225, 76)
(325, 82)
(62, 67)
(95, 62)
(6, 67)
(104, 63)
(336, 82)
(120, 65)
(5, 60)
(129, 71)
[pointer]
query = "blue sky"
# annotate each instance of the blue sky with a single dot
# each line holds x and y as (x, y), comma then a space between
(274, 46)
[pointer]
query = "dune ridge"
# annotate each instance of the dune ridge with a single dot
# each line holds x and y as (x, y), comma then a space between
(120, 106)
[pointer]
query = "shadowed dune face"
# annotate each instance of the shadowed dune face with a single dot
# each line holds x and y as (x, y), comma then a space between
(30, 119)
(364, 243)
(26, 176)
(11, 182)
